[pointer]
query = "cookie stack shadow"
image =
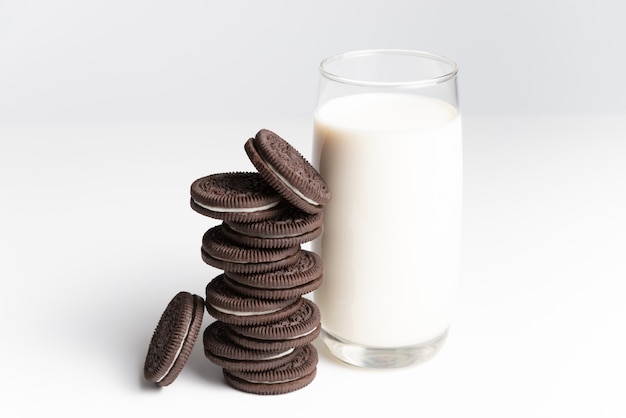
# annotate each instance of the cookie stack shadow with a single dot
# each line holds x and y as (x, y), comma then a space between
(264, 323)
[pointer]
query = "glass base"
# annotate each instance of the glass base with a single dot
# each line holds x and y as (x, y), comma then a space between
(382, 358)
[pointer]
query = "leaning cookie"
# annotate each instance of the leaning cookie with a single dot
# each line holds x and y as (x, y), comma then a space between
(236, 196)
(295, 375)
(287, 171)
(174, 338)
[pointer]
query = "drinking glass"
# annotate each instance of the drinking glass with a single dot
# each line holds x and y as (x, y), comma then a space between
(387, 140)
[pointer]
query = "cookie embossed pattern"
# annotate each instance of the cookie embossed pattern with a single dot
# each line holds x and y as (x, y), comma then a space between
(263, 327)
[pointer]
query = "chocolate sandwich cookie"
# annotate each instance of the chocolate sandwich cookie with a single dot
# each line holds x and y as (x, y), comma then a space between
(300, 328)
(218, 251)
(284, 293)
(223, 304)
(292, 227)
(295, 375)
(287, 171)
(304, 276)
(222, 351)
(174, 338)
(236, 196)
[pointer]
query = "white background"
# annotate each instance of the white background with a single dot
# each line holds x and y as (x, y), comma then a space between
(141, 60)
(110, 109)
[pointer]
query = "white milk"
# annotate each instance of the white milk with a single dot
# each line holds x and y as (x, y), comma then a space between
(391, 241)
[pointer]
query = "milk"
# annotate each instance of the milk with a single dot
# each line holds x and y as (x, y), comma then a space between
(391, 237)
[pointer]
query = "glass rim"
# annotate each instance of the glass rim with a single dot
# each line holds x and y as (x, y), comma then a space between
(446, 75)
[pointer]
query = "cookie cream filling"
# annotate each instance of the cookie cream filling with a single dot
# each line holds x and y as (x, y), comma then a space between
(180, 348)
(289, 185)
(231, 210)
(302, 335)
(279, 355)
(239, 313)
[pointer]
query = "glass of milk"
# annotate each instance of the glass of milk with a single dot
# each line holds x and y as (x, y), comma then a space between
(387, 140)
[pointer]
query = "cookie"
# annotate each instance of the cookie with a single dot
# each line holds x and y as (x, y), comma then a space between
(173, 338)
(291, 292)
(295, 375)
(236, 196)
(302, 277)
(222, 351)
(292, 227)
(218, 251)
(287, 171)
(300, 328)
(223, 304)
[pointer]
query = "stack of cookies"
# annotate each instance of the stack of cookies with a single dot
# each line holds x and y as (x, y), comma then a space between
(264, 325)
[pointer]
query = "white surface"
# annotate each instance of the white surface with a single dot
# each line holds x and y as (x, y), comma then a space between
(97, 236)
